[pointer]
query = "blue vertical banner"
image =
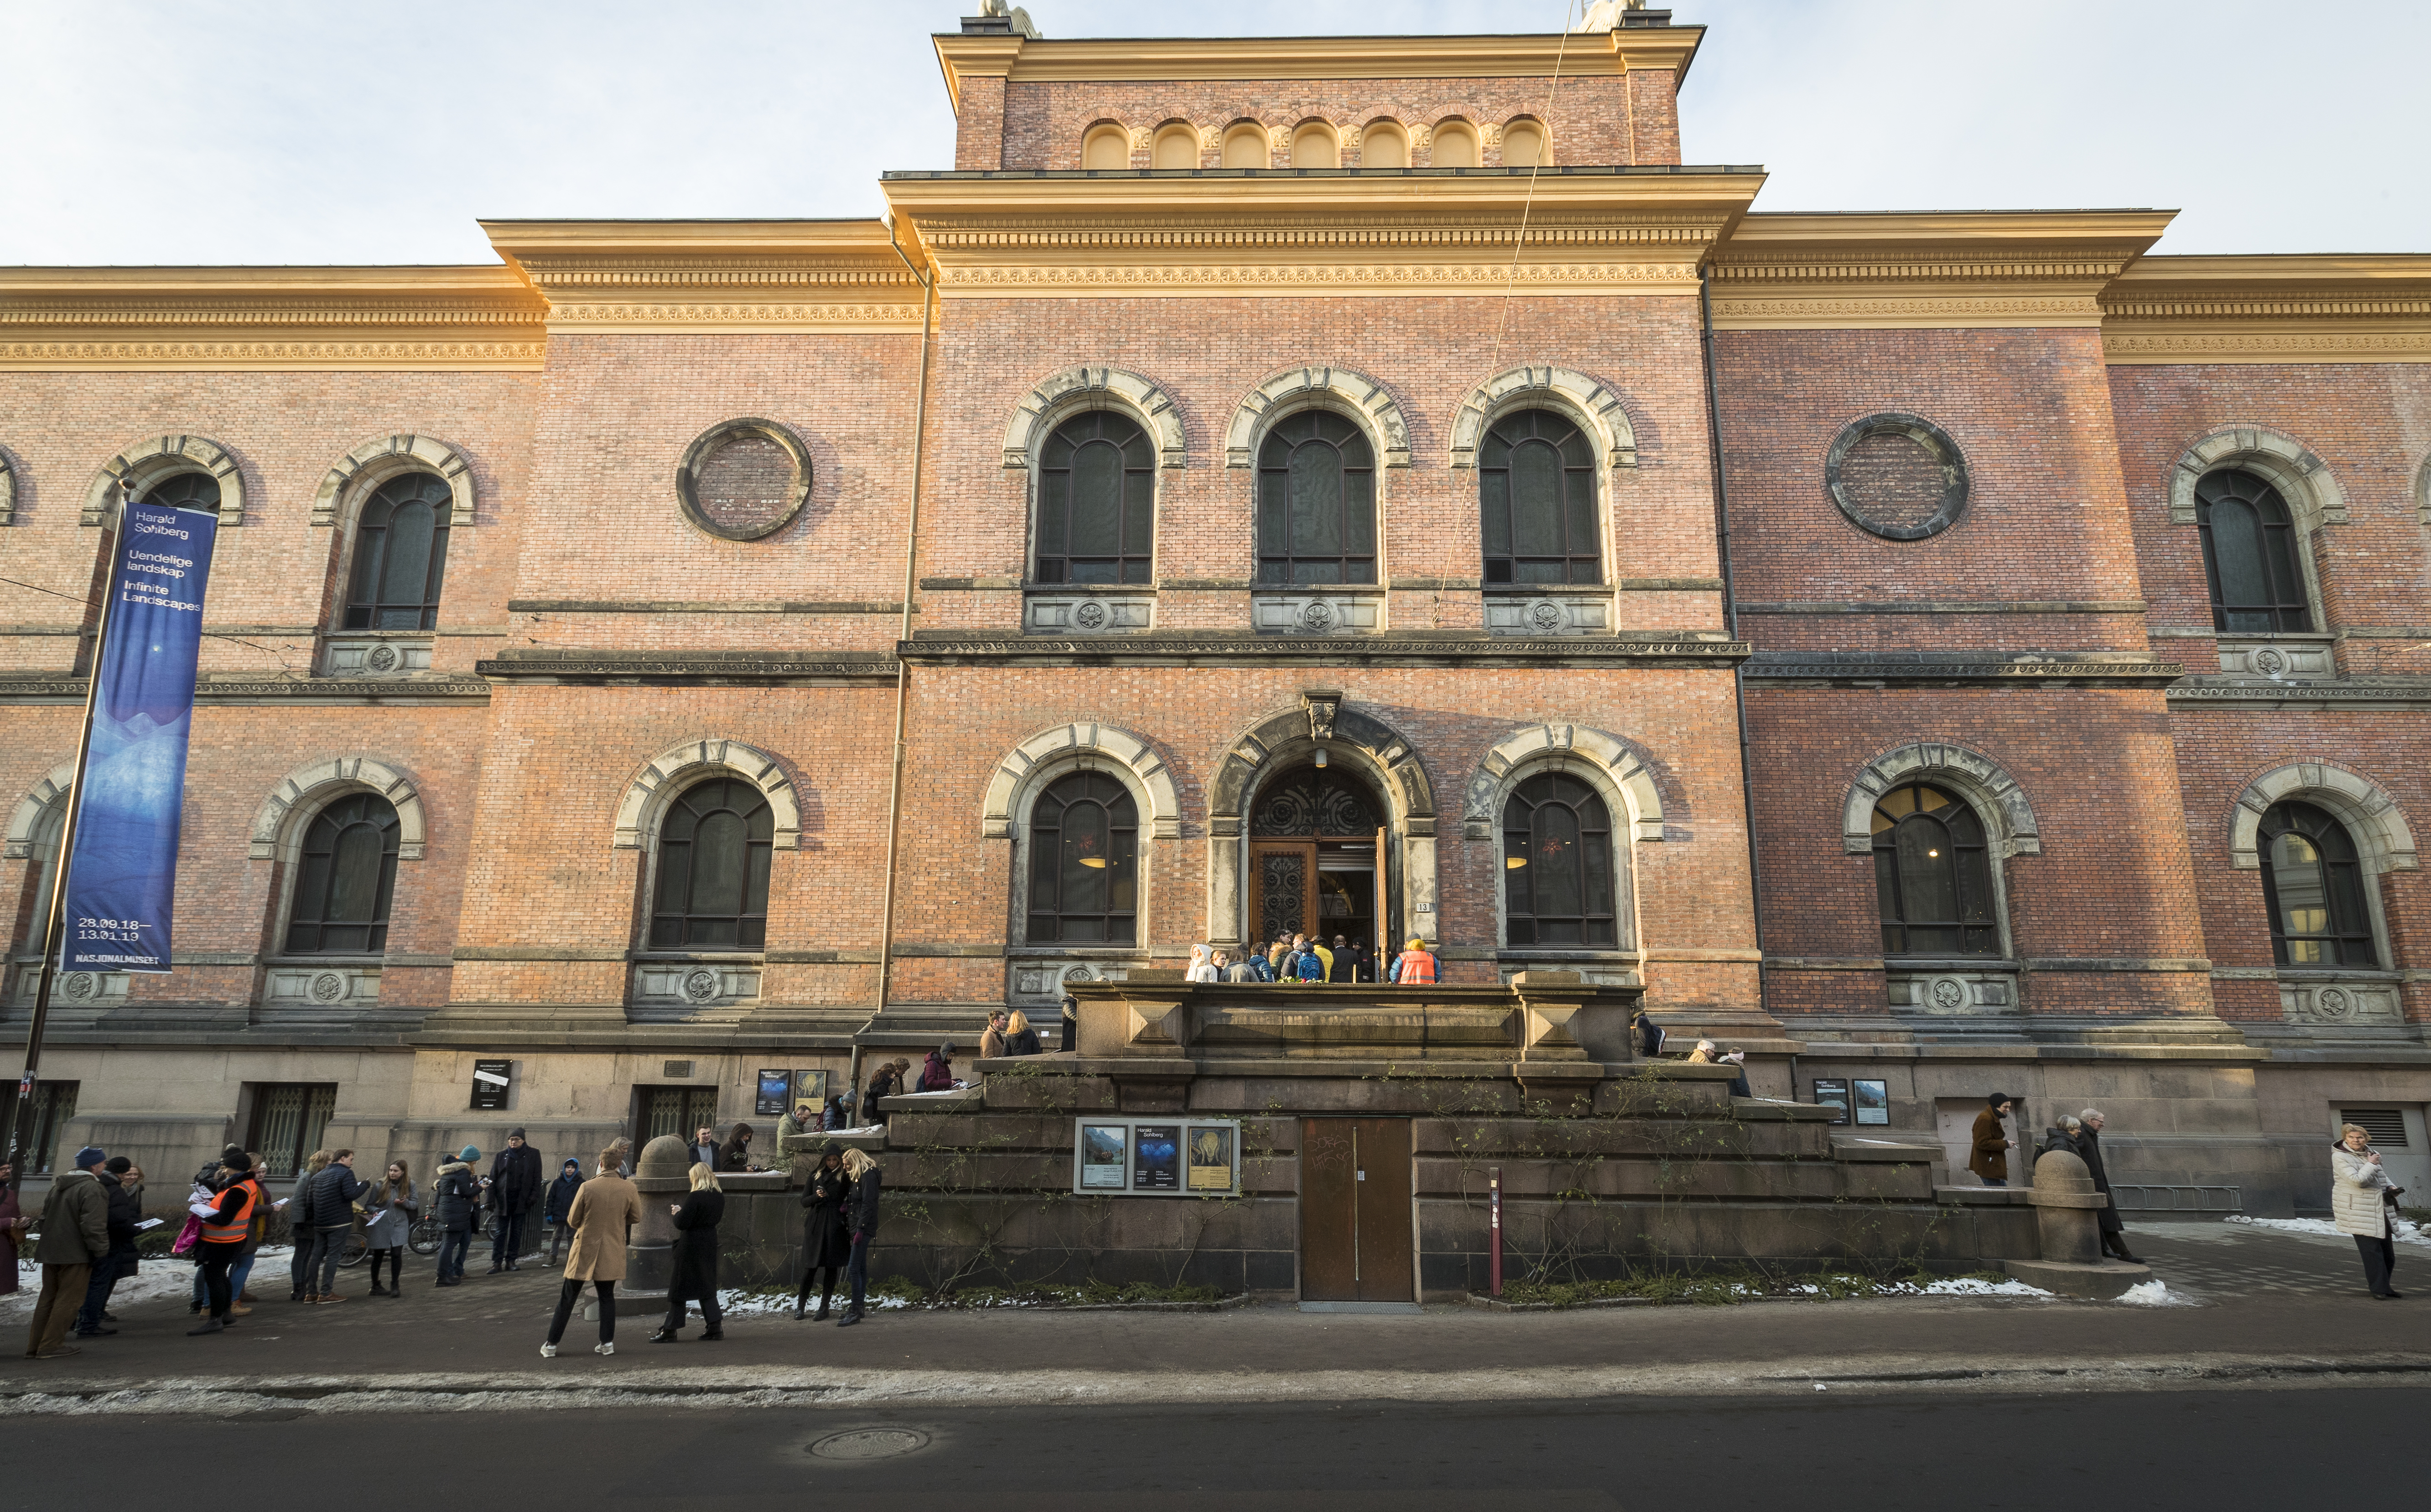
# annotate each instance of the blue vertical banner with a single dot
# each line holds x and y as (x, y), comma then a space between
(122, 878)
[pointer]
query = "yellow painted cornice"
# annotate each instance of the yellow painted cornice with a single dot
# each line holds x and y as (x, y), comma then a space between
(1032, 59)
(2330, 307)
(1945, 269)
(268, 319)
(627, 276)
(1343, 233)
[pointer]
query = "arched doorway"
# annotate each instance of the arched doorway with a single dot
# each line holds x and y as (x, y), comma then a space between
(1318, 858)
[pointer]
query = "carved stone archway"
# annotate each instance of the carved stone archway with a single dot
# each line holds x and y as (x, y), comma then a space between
(1586, 401)
(1076, 747)
(147, 462)
(1381, 753)
(26, 823)
(1076, 391)
(1362, 397)
(2008, 818)
(2302, 478)
(376, 461)
(276, 834)
(665, 773)
(2364, 806)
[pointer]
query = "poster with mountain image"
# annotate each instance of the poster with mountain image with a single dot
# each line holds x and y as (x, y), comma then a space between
(1105, 1153)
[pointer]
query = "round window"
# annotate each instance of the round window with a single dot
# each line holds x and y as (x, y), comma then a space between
(744, 479)
(1899, 476)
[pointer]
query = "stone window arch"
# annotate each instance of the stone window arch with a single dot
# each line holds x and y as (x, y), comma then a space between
(2009, 819)
(1593, 405)
(342, 890)
(2383, 840)
(150, 463)
(360, 471)
(1093, 761)
(2302, 478)
(7, 489)
(2421, 490)
(1978, 803)
(1614, 771)
(1283, 740)
(1077, 389)
(278, 829)
(1360, 397)
(33, 837)
(664, 777)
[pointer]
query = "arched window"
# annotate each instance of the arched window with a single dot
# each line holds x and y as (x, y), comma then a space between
(1933, 875)
(1097, 501)
(400, 555)
(1176, 147)
(186, 490)
(1523, 144)
(1558, 864)
(1456, 145)
(1084, 863)
(713, 849)
(1106, 147)
(2249, 544)
(1244, 146)
(1313, 146)
(1385, 145)
(2314, 885)
(344, 879)
(1317, 502)
(1537, 496)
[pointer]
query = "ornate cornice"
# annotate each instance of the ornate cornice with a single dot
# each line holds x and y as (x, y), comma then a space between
(2049, 669)
(2334, 308)
(654, 667)
(268, 318)
(2385, 694)
(53, 688)
(1035, 59)
(646, 276)
(1692, 648)
(1925, 270)
(1224, 232)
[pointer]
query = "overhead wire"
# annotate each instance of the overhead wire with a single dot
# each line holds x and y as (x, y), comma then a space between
(1528, 202)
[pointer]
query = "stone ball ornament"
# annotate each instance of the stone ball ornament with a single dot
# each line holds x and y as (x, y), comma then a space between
(1896, 475)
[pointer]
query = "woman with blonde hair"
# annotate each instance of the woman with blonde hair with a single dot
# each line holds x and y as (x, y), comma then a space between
(861, 1222)
(2362, 1197)
(1019, 1038)
(696, 1268)
(1202, 969)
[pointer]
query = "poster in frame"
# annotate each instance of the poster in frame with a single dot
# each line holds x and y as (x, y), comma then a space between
(1103, 1156)
(1832, 1092)
(1156, 1158)
(773, 1095)
(1212, 1152)
(1873, 1101)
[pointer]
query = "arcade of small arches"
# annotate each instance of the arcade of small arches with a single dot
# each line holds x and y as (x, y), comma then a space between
(1383, 141)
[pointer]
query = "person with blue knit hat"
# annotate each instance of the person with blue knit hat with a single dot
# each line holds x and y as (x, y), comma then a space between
(458, 1193)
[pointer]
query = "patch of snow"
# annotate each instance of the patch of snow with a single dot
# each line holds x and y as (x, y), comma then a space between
(2406, 1232)
(1971, 1287)
(736, 1304)
(2155, 1294)
(153, 1280)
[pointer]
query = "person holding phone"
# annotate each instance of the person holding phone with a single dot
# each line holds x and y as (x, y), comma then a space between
(2361, 1196)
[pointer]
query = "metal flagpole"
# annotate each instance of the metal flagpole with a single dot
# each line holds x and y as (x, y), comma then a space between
(19, 1128)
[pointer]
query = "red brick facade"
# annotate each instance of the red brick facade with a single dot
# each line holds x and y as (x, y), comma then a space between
(2049, 656)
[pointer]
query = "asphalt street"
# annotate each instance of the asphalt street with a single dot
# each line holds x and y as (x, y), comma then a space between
(2212, 1450)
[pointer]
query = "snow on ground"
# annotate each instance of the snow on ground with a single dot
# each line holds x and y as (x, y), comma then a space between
(1971, 1287)
(769, 1304)
(153, 1280)
(2155, 1294)
(2408, 1232)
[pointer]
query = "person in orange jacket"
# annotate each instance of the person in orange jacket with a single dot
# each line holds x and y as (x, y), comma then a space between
(1415, 966)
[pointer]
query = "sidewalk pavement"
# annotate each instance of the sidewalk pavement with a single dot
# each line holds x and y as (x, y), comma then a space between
(2253, 1306)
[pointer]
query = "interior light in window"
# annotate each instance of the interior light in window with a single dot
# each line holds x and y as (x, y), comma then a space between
(1513, 863)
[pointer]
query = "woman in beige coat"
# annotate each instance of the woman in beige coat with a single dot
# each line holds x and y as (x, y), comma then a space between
(2356, 1182)
(604, 1212)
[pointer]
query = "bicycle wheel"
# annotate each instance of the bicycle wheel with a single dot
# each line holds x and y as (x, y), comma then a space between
(357, 1245)
(425, 1237)
(490, 1226)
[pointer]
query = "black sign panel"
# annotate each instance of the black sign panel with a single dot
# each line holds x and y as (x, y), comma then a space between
(1832, 1093)
(775, 1097)
(492, 1079)
(1156, 1158)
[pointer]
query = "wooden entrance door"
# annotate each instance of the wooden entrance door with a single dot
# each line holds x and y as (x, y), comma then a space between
(1285, 871)
(1356, 1239)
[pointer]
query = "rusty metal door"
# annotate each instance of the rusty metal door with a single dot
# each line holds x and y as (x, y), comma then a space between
(1355, 1241)
(1287, 890)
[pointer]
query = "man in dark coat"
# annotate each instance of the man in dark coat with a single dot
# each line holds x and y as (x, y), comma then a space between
(1988, 1153)
(125, 1211)
(2089, 1144)
(515, 1183)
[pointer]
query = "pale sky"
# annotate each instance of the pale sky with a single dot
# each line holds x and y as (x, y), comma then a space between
(256, 131)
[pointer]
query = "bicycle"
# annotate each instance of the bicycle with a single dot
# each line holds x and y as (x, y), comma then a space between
(358, 1244)
(429, 1233)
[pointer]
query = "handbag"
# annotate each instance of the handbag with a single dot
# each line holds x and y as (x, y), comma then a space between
(186, 1236)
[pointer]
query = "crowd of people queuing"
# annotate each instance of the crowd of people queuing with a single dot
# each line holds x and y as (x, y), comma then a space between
(93, 1213)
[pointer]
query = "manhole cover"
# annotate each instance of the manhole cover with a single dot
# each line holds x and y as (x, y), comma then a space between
(870, 1444)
